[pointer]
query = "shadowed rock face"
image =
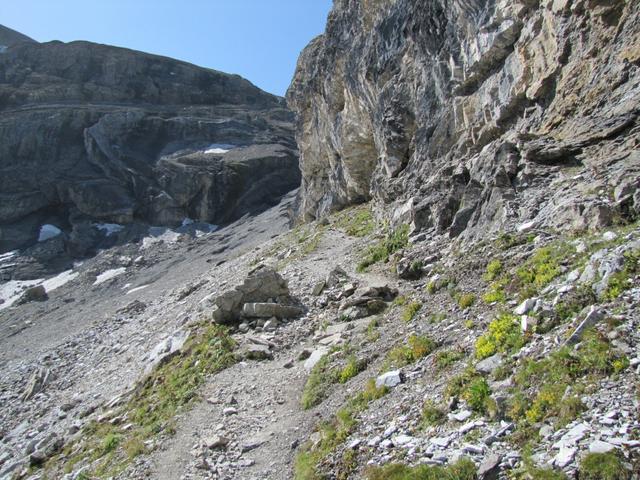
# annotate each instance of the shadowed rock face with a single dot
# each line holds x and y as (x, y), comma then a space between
(469, 116)
(91, 133)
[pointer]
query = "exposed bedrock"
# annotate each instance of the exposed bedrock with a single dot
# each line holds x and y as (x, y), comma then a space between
(92, 133)
(471, 116)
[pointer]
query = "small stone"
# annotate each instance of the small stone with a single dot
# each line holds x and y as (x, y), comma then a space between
(229, 411)
(215, 441)
(460, 416)
(526, 306)
(489, 467)
(288, 364)
(354, 444)
(400, 440)
(441, 441)
(473, 449)
(594, 316)
(389, 379)
(599, 446)
(488, 365)
(314, 358)
(386, 443)
(318, 288)
(565, 456)
(609, 236)
(252, 444)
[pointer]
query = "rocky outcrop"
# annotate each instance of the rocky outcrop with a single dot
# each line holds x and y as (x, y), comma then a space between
(94, 133)
(469, 116)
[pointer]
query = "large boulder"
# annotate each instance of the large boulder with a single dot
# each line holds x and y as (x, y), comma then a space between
(264, 290)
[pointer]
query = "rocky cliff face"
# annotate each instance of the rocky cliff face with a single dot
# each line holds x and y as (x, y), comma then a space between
(92, 133)
(469, 116)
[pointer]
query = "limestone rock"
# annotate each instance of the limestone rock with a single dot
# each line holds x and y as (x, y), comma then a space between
(390, 379)
(463, 115)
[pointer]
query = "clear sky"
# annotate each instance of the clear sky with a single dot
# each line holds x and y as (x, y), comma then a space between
(258, 39)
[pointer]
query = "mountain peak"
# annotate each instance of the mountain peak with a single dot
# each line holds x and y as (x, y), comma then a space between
(9, 37)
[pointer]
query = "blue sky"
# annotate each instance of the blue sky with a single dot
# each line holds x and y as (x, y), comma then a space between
(258, 39)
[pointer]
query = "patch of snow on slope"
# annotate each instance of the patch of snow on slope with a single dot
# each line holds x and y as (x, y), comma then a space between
(158, 235)
(136, 289)
(8, 256)
(48, 231)
(219, 148)
(10, 291)
(109, 274)
(59, 280)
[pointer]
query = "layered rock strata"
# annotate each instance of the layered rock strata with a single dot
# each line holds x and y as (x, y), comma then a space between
(468, 116)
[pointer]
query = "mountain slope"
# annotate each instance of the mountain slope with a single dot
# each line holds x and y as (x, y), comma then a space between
(93, 133)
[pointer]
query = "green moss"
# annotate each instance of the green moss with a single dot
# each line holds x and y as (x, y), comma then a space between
(463, 469)
(494, 268)
(621, 281)
(110, 443)
(356, 222)
(446, 358)
(351, 369)
(543, 267)
(437, 317)
(465, 300)
(334, 432)
(410, 311)
(503, 336)
(432, 415)
(496, 292)
(321, 377)
(416, 348)
(542, 386)
(603, 466)
(477, 395)
(380, 252)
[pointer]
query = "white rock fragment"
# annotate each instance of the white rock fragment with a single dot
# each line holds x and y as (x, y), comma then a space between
(389, 379)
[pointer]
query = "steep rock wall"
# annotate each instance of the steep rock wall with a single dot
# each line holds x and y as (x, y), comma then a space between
(94, 133)
(469, 116)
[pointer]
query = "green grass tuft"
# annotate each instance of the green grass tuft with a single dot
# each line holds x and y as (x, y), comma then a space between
(463, 469)
(380, 252)
(503, 336)
(603, 466)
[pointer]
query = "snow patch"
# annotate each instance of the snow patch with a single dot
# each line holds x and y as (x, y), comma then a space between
(59, 280)
(8, 256)
(48, 231)
(137, 289)
(109, 274)
(219, 148)
(158, 235)
(109, 228)
(11, 291)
